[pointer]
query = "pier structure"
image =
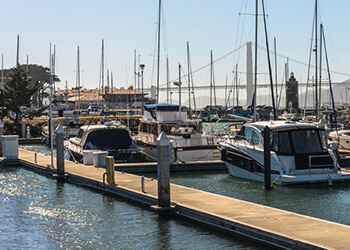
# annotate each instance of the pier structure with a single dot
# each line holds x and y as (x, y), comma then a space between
(262, 224)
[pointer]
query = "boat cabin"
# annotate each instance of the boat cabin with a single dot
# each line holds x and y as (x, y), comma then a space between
(306, 142)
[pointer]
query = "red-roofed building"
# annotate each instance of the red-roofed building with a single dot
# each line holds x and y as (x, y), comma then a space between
(110, 97)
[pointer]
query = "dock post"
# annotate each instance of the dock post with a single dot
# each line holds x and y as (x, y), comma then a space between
(1, 134)
(60, 152)
(23, 127)
(163, 171)
(143, 184)
(28, 132)
(110, 169)
(267, 159)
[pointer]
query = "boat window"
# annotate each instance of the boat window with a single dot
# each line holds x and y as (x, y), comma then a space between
(144, 127)
(80, 133)
(323, 138)
(283, 143)
(154, 129)
(306, 141)
(274, 144)
(165, 128)
(251, 136)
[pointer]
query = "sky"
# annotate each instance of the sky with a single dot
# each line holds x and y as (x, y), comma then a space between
(126, 25)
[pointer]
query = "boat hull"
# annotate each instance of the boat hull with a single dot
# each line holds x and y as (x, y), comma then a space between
(285, 179)
(183, 154)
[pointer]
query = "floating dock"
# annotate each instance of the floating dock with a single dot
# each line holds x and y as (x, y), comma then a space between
(262, 224)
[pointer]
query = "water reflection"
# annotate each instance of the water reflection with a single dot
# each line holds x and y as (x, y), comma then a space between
(39, 213)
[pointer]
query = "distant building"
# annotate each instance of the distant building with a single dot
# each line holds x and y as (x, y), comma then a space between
(110, 97)
(292, 92)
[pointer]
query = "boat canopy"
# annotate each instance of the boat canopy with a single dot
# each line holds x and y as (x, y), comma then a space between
(62, 107)
(152, 108)
(75, 122)
(161, 107)
(108, 139)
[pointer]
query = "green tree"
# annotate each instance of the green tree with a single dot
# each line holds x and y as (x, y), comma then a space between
(36, 73)
(18, 92)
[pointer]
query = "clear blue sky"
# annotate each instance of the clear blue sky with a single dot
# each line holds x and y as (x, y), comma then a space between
(127, 25)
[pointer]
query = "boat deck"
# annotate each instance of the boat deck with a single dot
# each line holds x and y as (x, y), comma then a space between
(263, 224)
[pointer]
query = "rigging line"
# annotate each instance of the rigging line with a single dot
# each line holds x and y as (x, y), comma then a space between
(191, 78)
(164, 35)
(238, 24)
(330, 37)
(207, 65)
(214, 89)
(330, 82)
(280, 97)
(300, 62)
(308, 71)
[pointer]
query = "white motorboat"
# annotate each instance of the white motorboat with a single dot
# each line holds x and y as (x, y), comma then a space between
(188, 143)
(70, 127)
(341, 137)
(298, 154)
(109, 137)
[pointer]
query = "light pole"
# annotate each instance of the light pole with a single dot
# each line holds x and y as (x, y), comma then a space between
(142, 66)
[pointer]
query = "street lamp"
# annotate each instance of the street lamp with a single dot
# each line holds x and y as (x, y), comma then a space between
(142, 66)
(179, 84)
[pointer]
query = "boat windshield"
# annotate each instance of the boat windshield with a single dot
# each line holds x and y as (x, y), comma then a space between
(303, 141)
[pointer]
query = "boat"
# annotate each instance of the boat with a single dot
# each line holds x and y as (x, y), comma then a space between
(298, 154)
(341, 137)
(110, 137)
(187, 141)
(70, 127)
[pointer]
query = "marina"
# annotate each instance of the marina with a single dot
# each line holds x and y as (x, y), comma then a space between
(227, 143)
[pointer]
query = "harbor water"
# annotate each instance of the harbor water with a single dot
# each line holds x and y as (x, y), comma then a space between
(38, 212)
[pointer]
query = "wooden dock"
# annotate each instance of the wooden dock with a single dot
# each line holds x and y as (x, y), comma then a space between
(265, 225)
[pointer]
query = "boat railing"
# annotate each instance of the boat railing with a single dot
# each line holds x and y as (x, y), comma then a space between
(187, 142)
(325, 165)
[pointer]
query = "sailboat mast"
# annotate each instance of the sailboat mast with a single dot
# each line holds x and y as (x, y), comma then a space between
(269, 63)
(189, 77)
(320, 86)
(236, 84)
(17, 60)
(102, 67)
(78, 79)
(2, 70)
(168, 81)
(112, 87)
(158, 56)
(226, 94)
(211, 80)
(135, 82)
(50, 120)
(316, 78)
(275, 46)
(256, 59)
(179, 94)
(53, 68)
